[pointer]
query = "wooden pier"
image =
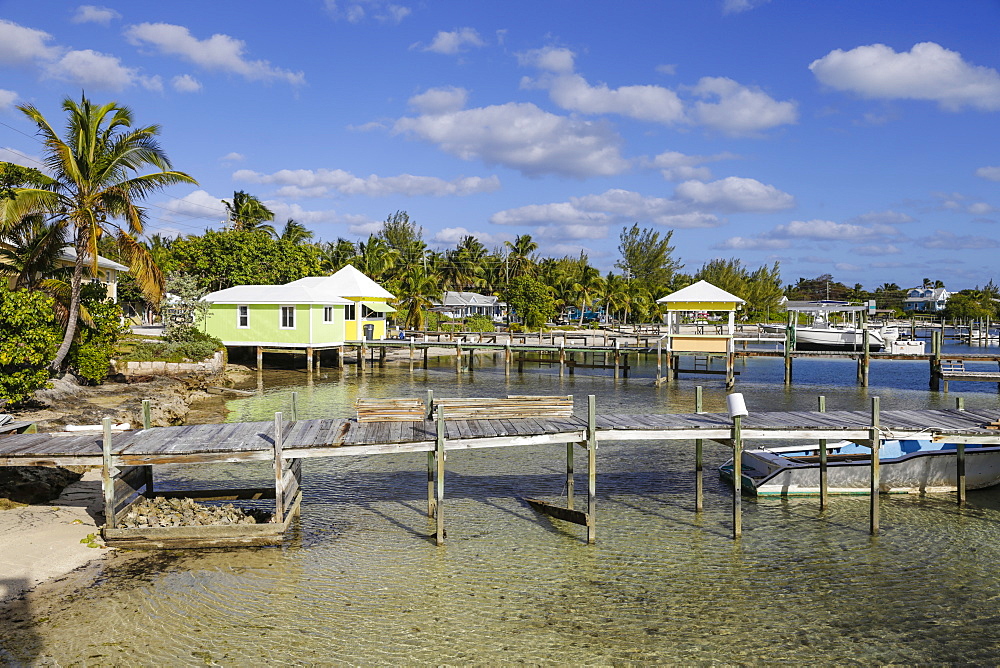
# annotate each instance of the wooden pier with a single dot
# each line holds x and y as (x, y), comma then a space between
(127, 458)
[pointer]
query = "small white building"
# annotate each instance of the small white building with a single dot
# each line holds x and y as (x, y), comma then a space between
(925, 299)
(464, 304)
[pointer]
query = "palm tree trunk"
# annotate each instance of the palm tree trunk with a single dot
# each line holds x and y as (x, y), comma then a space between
(76, 286)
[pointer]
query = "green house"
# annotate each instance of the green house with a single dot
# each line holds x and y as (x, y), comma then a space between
(314, 313)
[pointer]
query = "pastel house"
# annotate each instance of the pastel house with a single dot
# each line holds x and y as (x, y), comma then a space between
(305, 316)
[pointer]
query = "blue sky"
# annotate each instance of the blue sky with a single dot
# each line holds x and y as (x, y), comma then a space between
(855, 138)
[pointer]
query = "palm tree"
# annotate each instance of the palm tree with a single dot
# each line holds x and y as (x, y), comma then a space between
(588, 287)
(375, 258)
(93, 190)
(417, 289)
(246, 212)
(31, 250)
(334, 256)
(295, 232)
(520, 261)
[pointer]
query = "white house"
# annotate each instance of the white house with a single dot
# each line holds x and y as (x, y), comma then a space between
(925, 299)
(465, 304)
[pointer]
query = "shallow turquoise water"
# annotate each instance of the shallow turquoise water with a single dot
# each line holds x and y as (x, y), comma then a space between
(361, 582)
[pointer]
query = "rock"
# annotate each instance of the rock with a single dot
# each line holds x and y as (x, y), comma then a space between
(34, 484)
(161, 512)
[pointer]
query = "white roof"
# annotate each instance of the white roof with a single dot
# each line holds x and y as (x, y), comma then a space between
(274, 294)
(69, 254)
(348, 282)
(702, 291)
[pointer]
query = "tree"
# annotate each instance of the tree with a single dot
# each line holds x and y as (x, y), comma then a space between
(246, 212)
(93, 189)
(15, 176)
(28, 341)
(530, 300)
(647, 257)
(334, 256)
(96, 342)
(416, 291)
(295, 232)
(223, 259)
(520, 256)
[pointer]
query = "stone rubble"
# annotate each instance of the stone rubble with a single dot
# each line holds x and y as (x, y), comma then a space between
(163, 512)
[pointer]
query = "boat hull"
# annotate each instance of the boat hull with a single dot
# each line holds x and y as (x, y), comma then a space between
(921, 471)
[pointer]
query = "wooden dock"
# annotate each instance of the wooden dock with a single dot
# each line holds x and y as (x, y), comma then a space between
(127, 458)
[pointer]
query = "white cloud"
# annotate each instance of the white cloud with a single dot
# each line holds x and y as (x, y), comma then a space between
(440, 100)
(829, 230)
(366, 227)
(989, 173)
(233, 157)
(382, 11)
(740, 110)
(218, 52)
(847, 266)
(679, 167)
(981, 208)
(521, 137)
(928, 71)
(92, 69)
(94, 14)
(666, 69)
(738, 6)
(755, 243)
(454, 42)
(21, 158)
(20, 45)
(7, 98)
(734, 193)
(615, 206)
(887, 217)
(316, 183)
(185, 83)
(196, 204)
(572, 92)
(942, 240)
(877, 250)
(452, 235)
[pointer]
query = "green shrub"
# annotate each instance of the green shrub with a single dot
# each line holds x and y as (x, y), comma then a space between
(479, 323)
(94, 346)
(147, 350)
(29, 338)
(515, 328)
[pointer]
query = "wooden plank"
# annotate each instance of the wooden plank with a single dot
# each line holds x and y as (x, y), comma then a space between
(558, 512)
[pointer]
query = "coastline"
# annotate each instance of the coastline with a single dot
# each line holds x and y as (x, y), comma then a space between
(46, 551)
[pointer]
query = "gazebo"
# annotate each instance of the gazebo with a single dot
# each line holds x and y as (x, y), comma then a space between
(702, 338)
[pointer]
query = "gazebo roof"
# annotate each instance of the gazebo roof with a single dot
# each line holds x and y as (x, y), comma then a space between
(701, 292)
(348, 282)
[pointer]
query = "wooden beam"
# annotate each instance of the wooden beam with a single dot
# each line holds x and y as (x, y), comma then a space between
(591, 468)
(439, 488)
(565, 514)
(107, 477)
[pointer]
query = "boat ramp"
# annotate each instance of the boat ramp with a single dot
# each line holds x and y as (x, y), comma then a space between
(437, 426)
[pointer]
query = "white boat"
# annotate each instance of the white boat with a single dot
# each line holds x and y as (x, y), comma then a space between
(911, 466)
(822, 334)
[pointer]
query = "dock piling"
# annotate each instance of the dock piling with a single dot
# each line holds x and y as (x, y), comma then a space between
(823, 481)
(876, 443)
(108, 477)
(439, 487)
(699, 463)
(591, 468)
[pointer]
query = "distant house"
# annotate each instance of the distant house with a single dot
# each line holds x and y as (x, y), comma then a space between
(925, 299)
(465, 304)
(317, 312)
(107, 270)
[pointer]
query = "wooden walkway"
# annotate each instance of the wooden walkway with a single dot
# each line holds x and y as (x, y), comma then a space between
(254, 441)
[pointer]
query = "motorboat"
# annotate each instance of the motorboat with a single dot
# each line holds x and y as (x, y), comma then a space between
(906, 466)
(822, 333)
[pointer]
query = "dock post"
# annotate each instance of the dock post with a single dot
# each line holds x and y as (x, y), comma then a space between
(506, 358)
(737, 478)
(439, 488)
(789, 345)
(562, 357)
(279, 474)
(108, 477)
(431, 457)
(295, 405)
(381, 357)
(618, 357)
(659, 362)
(412, 345)
(823, 481)
(147, 423)
(309, 358)
(340, 357)
(260, 358)
(866, 355)
(876, 443)
(936, 359)
(570, 482)
(458, 356)
(425, 357)
(699, 461)
(591, 469)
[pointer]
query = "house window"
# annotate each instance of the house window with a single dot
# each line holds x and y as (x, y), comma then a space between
(242, 316)
(327, 315)
(349, 313)
(287, 317)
